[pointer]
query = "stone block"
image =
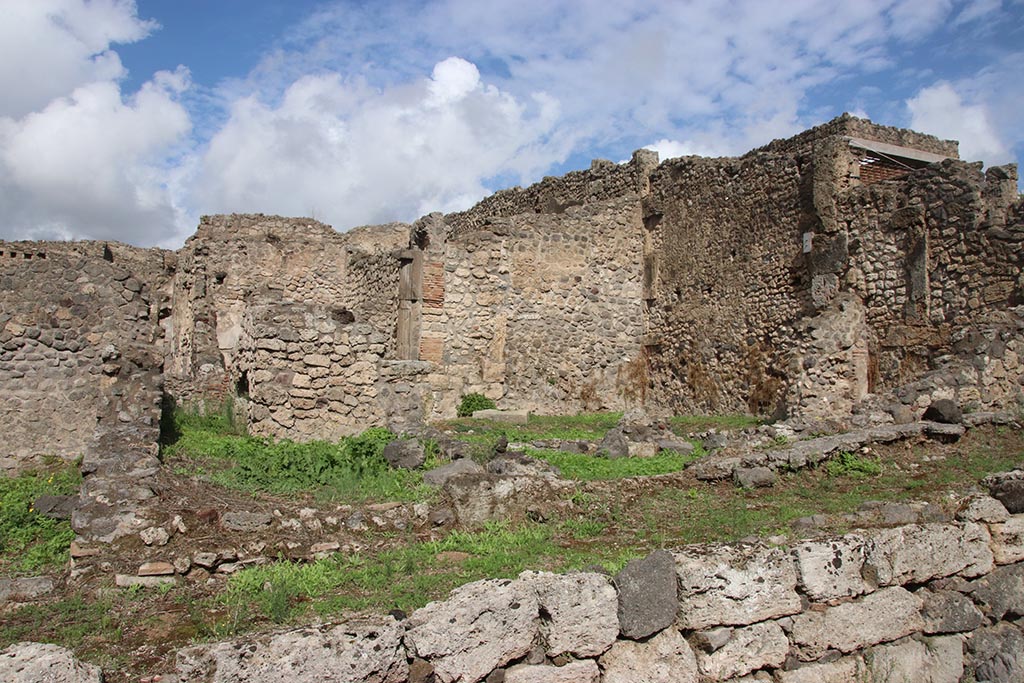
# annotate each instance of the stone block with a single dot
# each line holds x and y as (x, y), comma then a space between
(22, 589)
(754, 477)
(1001, 592)
(308, 655)
(886, 615)
(980, 508)
(843, 670)
(919, 553)
(998, 654)
(585, 671)
(936, 660)
(480, 627)
(515, 417)
(647, 597)
(734, 585)
(748, 649)
(665, 658)
(578, 614)
(1008, 540)
(948, 612)
(42, 662)
(831, 570)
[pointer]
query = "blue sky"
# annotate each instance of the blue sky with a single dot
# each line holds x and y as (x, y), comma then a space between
(127, 120)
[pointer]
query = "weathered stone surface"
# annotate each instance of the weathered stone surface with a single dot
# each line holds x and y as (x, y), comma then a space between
(734, 585)
(750, 648)
(481, 626)
(246, 521)
(1001, 592)
(665, 658)
(127, 581)
(515, 417)
(943, 410)
(29, 588)
(406, 454)
(918, 553)
(1009, 491)
(577, 612)
(45, 663)
(648, 600)
(948, 612)
(614, 444)
(573, 672)
(55, 507)
(936, 660)
(998, 654)
(982, 509)
(440, 476)
(844, 670)
(831, 570)
(878, 617)
(156, 569)
(155, 535)
(1008, 540)
(308, 655)
(754, 477)
(477, 499)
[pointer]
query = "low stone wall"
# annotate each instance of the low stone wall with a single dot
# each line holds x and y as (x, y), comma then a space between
(926, 602)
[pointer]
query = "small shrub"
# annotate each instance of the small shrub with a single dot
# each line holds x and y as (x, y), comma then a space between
(472, 403)
(846, 464)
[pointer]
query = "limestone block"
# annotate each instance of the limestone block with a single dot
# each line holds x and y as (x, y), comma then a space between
(937, 660)
(481, 626)
(37, 662)
(585, 671)
(519, 417)
(919, 553)
(28, 588)
(1008, 540)
(581, 612)
(665, 658)
(879, 617)
(843, 670)
(647, 595)
(831, 570)
(308, 655)
(748, 649)
(734, 585)
(980, 508)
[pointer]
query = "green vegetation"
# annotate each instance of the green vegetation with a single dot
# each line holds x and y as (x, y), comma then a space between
(846, 464)
(472, 403)
(588, 467)
(408, 576)
(354, 468)
(30, 542)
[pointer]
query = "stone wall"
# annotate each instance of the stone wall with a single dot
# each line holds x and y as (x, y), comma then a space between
(67, 321)
(930, 603)
(544, 310)
(236, 260)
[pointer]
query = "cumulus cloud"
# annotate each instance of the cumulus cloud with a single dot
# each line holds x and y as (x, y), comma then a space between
(940, 110)
(351, 154)
(77, 157)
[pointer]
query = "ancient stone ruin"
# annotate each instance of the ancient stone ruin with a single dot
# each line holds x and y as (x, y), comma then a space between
(854, 273)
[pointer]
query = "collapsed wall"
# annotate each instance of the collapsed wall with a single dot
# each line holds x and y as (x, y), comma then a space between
(936, 603)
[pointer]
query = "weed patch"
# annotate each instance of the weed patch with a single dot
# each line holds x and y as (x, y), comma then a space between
(30, 542)
(588, 467)
(846, 464)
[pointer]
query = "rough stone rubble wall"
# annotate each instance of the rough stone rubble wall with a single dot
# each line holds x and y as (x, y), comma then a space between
(236, 260)
(66, 321)
(936, 602)
(546, 310)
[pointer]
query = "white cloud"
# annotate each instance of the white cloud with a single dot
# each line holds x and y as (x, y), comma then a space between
(77, 157)
(351, 154)
(50, 47)
(940, 110)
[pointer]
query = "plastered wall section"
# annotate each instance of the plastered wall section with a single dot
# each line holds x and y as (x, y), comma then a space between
(69, 326)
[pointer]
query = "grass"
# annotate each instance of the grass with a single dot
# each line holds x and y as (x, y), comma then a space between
(853, 465)
(29, 542)
(583, 427)
(583, 467)
(354, 468)
(409, 576)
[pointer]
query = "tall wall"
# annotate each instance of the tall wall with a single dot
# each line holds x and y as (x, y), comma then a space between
(235, 260)
(67, 321)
